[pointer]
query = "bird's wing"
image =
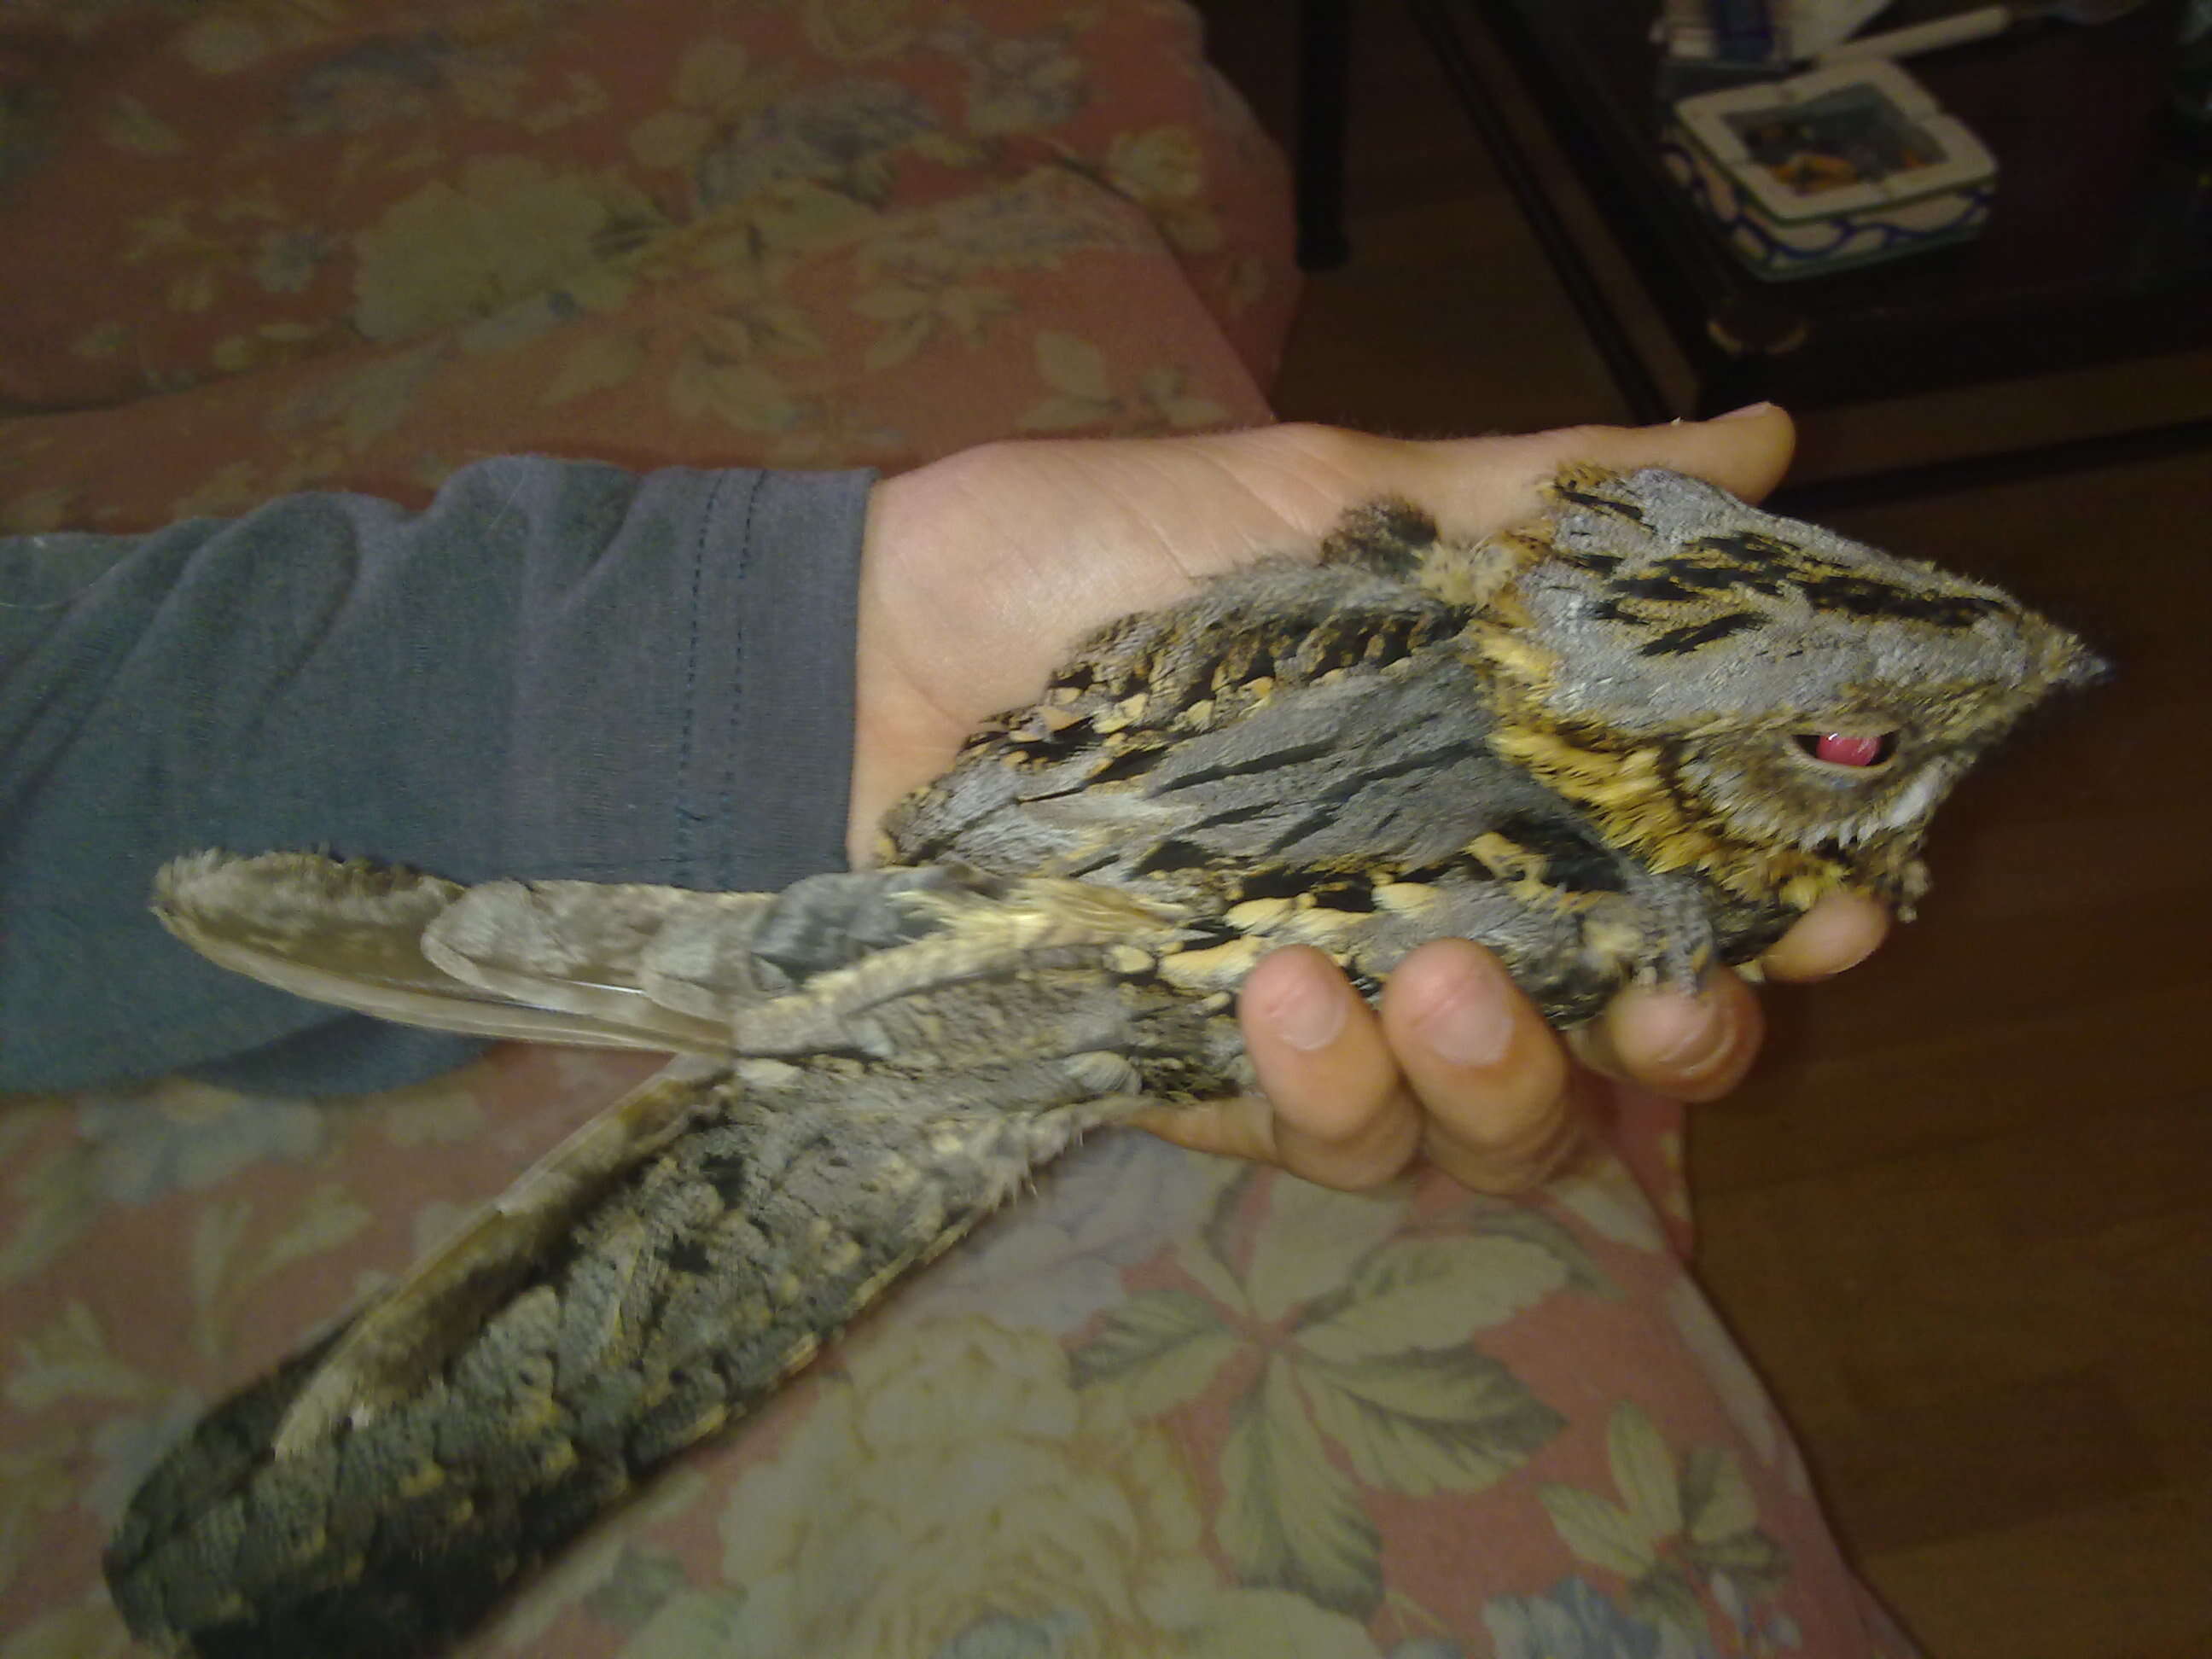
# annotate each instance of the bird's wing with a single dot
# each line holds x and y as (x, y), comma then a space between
(935, 967)
(404, 1333)
(358, 935)
(629, 965)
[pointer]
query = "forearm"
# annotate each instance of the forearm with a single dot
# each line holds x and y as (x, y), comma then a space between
(556, 669)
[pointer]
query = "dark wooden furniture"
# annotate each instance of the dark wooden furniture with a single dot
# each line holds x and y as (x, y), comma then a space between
(2090, 257)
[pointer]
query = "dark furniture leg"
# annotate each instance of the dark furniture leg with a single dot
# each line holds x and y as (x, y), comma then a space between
(1632, 379)
(1324, 48)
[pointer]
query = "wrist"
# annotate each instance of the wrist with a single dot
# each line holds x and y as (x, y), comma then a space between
(886, 706)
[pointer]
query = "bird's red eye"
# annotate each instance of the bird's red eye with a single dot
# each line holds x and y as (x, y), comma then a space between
(1842, 748)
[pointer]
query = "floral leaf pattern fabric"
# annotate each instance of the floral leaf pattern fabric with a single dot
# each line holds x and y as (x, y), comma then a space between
(1357, 1348)
(1169, 1407)
(358, 244)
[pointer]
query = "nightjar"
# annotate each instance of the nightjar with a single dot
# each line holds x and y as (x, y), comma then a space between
(1628, 742)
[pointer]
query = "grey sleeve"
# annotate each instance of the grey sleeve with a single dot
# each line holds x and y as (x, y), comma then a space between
(557, 669)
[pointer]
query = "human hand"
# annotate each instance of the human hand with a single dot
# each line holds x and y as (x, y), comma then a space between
(981, 570)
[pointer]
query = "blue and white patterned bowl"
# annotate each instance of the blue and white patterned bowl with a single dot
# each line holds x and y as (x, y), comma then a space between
(1843, 166)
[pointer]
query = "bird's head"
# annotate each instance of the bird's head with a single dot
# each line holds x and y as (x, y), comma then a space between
(1731, 690)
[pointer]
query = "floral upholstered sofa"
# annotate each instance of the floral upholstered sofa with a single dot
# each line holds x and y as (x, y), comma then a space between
(1173, 1406)
(260, 247)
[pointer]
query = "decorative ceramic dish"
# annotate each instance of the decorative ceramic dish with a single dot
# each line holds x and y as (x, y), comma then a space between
(1840, 168)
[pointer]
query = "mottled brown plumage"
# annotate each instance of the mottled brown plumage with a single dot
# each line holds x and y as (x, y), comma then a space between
(1628, 742)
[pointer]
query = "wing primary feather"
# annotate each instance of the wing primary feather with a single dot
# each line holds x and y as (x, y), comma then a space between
(351, 934)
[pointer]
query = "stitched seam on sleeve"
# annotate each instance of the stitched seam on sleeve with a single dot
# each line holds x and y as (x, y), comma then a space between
(727, 802)
(685, 752)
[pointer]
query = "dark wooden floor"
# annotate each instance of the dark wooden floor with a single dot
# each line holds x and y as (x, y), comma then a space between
(1962, 1216)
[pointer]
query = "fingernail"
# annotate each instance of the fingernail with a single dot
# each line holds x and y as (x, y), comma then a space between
(1749, 410)
(1467, 1026)
(1686, 1037)
(1309, 1011)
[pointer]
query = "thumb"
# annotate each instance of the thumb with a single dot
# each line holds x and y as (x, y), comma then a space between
(1745, 452)
(1475, 486)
